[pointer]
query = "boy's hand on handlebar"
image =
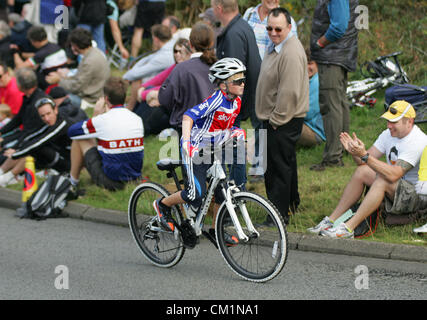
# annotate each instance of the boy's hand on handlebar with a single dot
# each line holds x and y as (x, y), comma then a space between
(188, 148)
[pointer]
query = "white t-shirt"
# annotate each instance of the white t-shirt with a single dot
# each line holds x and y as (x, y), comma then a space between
(409, 149)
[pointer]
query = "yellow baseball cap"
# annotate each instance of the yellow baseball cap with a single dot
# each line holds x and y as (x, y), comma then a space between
(398, 110)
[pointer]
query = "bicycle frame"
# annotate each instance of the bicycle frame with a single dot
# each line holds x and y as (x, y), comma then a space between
(216, 175)
(387, 72)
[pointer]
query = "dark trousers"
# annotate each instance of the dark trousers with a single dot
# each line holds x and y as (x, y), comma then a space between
(281, 177)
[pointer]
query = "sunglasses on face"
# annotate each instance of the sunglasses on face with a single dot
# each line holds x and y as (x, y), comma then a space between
(238, 82)
(277, 29)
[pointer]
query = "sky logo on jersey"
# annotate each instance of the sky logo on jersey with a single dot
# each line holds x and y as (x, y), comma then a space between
(223, 117)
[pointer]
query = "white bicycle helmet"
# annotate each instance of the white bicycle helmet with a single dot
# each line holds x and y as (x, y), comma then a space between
(225, 68)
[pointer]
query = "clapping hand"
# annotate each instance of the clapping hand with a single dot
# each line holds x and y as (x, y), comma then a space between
(353, 145)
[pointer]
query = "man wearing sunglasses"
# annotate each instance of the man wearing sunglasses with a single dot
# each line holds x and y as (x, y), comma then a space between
(394, 181)
(282, 101)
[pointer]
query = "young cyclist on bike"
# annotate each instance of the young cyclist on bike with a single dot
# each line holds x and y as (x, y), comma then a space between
(209, 123)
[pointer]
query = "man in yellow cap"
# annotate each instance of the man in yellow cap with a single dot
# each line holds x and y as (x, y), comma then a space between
(402, 143)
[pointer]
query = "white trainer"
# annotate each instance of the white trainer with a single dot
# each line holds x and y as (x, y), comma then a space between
(340, 232)
(6, 178)
(325, 224)
(421, 229)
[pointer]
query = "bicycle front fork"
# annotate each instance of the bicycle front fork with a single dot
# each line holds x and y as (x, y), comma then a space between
(230, 207)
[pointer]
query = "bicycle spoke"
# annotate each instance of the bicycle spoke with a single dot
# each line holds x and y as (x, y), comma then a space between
(160, 247)
(263, 256)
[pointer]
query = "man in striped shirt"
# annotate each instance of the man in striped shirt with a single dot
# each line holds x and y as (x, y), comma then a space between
(257, 19)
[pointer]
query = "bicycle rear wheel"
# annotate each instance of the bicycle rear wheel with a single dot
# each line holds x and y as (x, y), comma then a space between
(264, 255)
(160, 247)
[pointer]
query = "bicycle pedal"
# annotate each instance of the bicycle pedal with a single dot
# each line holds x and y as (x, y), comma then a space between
(188, 235)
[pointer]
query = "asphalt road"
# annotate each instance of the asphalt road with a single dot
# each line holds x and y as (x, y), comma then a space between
(76, 259)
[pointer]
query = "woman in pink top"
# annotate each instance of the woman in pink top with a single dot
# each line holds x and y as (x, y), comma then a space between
(154, 116)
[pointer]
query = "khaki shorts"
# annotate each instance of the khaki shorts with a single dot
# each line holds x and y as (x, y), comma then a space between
(406, 200)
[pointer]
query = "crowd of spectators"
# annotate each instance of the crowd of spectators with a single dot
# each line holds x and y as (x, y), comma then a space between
(52, 70)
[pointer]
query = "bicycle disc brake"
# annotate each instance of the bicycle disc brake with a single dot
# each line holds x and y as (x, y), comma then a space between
(189, 237)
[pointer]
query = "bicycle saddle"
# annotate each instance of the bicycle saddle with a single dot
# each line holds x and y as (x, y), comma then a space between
(168, 164)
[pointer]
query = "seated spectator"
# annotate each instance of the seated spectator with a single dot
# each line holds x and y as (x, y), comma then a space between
(127, 18)
(152, 64)
(154, 116)
(117, 155)
(65, 107)
(5, 53)
(48, 57)
(85, 86)
(312, 130)
(5, 115)
(49, 146)
(174, 25)
(402, 144)
(9, 92)
(11, 134)
(257, 19)
(188, 84)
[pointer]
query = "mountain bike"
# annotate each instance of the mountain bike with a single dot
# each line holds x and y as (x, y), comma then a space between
(262, 248)
(380, 73)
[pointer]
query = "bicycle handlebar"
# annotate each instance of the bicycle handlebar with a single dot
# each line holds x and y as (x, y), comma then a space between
(391, 55)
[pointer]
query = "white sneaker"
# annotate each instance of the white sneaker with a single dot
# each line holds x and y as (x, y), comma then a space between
(421, 229)
(325, 224)
(6, 178)
(341, 232)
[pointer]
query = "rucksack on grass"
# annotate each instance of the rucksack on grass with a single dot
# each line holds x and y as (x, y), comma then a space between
(50, 198)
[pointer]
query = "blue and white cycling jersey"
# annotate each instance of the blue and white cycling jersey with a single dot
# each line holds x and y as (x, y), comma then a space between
(214, 119)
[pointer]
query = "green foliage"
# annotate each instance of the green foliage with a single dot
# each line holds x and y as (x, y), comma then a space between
(394, 25)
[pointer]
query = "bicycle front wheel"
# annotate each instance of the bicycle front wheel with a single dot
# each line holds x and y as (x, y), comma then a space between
(263, 254)
(160, 247)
